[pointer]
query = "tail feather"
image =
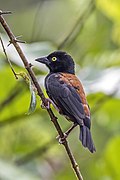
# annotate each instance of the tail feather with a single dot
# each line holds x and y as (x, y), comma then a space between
(86, 138)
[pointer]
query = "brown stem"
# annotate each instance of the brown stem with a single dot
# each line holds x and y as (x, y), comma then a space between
(5, 12)
(15, 74)
(40, 93)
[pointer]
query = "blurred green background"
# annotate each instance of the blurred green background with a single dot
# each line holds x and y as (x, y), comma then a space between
(90, 32)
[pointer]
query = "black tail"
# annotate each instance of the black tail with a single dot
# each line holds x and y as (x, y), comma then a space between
(86, 138)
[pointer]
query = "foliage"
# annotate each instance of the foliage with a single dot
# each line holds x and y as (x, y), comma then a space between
(29, 140)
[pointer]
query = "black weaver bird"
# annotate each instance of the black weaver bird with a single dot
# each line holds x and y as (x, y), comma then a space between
(67, 94)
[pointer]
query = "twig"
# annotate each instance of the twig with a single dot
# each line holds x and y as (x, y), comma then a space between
(40, 93)
(5, 12)
(15, 74)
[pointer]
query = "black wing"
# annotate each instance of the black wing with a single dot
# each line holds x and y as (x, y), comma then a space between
(66, 98)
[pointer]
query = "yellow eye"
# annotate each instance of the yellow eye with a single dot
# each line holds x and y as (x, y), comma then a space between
(54, 58)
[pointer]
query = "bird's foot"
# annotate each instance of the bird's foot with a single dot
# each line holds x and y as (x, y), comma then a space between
(61, 140)
(46, 105)
(49, 102)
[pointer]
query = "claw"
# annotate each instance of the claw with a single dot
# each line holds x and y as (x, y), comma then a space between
(47, 106)
(61, 140)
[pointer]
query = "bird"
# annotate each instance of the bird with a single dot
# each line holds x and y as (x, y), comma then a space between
(67, 94)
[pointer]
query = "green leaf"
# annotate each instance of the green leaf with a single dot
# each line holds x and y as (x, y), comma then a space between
(33, 101)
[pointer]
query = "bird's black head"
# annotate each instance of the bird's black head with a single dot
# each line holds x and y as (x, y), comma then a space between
(58, 61)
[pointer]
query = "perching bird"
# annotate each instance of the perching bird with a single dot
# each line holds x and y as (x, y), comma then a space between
(67, 93)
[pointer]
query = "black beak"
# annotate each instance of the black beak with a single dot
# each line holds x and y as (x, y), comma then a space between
(43, 60)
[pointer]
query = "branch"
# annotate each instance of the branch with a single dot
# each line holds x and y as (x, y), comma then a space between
(5, 12)
(15, 74)
(28, 67)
